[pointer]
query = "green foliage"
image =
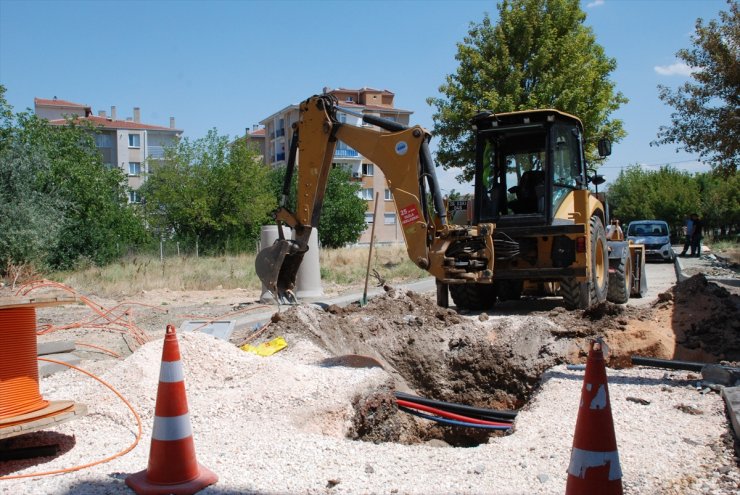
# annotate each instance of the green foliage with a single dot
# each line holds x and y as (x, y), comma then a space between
(670, 195)
(212, 191)
(342, 219)
(707, 111)
(539, 55)
(343, 215)
(59, 204)
(720, 199)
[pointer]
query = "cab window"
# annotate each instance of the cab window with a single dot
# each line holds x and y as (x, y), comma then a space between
(566, 163)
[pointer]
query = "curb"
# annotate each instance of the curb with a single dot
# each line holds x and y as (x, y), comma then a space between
(677, 265)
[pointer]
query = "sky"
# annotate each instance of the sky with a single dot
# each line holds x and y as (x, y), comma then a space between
(230, 64)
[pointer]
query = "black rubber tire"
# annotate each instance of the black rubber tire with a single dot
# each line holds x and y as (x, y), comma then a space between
(620, 280)
(509, 290)
(477, 297)
(584, 295)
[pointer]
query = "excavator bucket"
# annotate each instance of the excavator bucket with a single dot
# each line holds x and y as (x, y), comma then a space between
(277, 267)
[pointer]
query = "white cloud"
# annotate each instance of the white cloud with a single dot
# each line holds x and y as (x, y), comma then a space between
(595, 3)
(677, 69)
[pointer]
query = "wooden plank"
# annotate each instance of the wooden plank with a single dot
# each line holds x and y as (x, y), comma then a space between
(41, 300)
(75, 412)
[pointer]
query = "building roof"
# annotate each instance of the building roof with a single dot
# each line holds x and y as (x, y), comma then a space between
(258, 133)
(108, 123)
(58, 103)
(365, 89)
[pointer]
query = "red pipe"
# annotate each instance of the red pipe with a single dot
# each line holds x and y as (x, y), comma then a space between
(449, 415)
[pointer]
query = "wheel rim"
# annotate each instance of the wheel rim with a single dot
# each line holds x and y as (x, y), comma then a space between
(600, 264)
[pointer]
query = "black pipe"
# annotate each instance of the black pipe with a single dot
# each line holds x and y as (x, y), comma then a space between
(478, 412)
(427, 166)
(667, 363)
(388, 125)
(291, 164)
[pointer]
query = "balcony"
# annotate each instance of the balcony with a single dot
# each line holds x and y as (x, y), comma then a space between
(280, 132)
(156, 152)
(345, 153)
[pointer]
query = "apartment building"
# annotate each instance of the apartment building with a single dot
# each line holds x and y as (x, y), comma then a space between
(278, 131)
(127, 144)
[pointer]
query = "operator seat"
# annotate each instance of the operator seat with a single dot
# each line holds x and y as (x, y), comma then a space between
(528, 192)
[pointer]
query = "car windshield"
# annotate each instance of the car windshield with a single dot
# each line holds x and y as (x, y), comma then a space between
(648, 229)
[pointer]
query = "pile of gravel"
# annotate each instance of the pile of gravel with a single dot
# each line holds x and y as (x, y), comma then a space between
(278, 425)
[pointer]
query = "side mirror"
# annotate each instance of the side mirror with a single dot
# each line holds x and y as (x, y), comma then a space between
(597, 180)
(605, 147)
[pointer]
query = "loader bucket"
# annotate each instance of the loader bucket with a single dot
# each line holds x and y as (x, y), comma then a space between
(277, 266)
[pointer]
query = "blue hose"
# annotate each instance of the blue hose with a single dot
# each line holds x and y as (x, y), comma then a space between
(451, 422)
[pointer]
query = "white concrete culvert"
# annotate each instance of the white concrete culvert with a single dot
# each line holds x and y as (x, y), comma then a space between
(277, 425)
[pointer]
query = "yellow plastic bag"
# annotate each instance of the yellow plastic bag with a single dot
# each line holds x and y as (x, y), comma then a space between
(266, 348)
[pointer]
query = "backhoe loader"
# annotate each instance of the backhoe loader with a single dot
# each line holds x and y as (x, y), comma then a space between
(534, 220)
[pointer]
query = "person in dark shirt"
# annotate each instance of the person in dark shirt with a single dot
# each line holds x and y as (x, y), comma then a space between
(696, 235)
(689, 231)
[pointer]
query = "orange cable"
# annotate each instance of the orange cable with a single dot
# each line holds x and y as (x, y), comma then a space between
(103, 349)
(95, 463)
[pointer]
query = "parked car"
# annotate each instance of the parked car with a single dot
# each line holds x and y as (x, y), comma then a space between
(656, 237)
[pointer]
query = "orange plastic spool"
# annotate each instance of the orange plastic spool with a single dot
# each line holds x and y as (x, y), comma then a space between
(19, 373)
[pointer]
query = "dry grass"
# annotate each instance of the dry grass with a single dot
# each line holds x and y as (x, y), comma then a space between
(727, 249)
(132, 275)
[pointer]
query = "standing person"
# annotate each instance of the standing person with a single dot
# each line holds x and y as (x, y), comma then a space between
(696, 235)
(688, 232)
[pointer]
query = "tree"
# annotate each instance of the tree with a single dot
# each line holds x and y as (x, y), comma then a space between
(707, 111)
(58, 203)
(666, 194)
(720, 200)
(342, 219)
(539, 55)
(210, 190)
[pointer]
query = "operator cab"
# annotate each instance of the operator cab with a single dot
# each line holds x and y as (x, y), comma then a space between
(527, 163)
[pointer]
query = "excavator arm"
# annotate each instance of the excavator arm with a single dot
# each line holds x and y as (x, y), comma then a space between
(403, 155)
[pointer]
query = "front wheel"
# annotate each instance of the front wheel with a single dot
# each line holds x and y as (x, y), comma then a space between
(620, 280)
(473, 296)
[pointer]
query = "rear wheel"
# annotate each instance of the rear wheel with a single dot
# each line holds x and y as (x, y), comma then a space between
(473, 296)
(593, 291)
(620, 280)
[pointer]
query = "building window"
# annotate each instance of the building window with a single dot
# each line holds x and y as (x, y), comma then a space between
(389, 219)
(388, 196)
(367, 169)
(134, 141)
(368, 218)
(367, 194)
(103, 141)
(134, 168)
(133, 197)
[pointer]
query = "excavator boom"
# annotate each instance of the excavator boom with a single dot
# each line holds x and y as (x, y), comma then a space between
(402, 154)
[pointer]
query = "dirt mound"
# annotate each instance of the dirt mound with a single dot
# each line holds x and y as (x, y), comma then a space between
(706, 318)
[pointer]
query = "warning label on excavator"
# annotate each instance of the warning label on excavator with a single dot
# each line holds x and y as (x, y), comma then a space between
(409, 214)
(458, 205)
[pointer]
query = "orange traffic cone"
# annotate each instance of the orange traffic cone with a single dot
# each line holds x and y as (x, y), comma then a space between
(173, 467)
(594, 461)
